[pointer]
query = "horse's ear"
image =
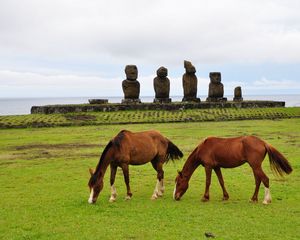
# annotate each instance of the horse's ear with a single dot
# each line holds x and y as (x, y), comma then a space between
(180, 173)
(91, 171)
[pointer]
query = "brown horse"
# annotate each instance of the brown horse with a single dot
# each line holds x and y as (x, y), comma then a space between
(129, 148)
(216, 153)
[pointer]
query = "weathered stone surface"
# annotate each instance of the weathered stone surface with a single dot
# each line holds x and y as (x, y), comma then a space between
(238, 94)
(152, 106)
(162, 86)
(162, 100)
(189, 83)
(131, 100)
(215, 89)
(130, 86)
(98, 101)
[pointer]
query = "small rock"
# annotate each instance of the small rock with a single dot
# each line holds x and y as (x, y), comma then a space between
(209, 235)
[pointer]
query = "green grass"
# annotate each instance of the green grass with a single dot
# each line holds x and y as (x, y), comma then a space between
(149, 116)
(44, 174)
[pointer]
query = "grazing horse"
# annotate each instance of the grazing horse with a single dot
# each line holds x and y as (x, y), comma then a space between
(128, 148)
(216, 153)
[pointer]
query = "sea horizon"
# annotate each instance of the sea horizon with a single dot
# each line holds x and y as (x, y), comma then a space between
(22, 105)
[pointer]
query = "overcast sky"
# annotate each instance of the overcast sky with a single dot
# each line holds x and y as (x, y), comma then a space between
(80, 48)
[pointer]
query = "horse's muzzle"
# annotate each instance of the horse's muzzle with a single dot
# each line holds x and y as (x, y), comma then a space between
(177, 197)
(91, 201)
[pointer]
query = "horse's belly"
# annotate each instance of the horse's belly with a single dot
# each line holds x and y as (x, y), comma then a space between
(230, 160)
(232, 164)
(139, 158)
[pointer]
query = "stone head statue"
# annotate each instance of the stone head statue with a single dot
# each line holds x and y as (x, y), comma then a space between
(162, 85)
(162, 72)
(189, 83)
(238, 94)
(215, 88)
(130, 86)
(215, 77)
(131, 72)
(189, 67)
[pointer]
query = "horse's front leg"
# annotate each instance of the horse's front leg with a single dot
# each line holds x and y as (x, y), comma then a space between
(205, 197)
(126, 179)
(221, 181)
(113, 171)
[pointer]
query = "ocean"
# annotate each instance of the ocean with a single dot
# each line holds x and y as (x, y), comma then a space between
(20, 106)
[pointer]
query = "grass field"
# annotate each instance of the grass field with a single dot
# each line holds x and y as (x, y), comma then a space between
(44, 175)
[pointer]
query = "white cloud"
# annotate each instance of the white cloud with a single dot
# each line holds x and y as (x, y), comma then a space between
(264, 83)
(151, 31)
(36, 35)
(57, 84)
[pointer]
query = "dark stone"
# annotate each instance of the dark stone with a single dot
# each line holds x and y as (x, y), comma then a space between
(238, 94)
(189, 82)
(215, 89)
(98, 101)
(162, 86)
(131, 100)
(130, 86)
(162, 100)
(111, 107)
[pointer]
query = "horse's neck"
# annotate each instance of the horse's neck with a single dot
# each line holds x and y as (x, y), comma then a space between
(191, 164)
(103, 164)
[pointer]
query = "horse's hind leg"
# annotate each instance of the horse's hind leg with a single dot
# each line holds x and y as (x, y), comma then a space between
(126, 179)
(257, 184)
(159, 188)
(221, 181)
(261, 176)
(265, 180)
(113, 171)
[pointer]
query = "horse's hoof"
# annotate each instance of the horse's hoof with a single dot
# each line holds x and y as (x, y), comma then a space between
(127, 198)
(266, 202)
(253, 200)
(154, 197)
(112, 200)
(204, 199)
(160, 194)
(225, 198)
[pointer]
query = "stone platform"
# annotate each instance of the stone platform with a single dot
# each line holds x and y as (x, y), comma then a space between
(109, 107)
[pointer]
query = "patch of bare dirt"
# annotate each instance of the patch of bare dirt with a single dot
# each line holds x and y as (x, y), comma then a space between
(57, 146)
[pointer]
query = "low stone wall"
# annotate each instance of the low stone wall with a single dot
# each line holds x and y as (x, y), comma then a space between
(109, 107)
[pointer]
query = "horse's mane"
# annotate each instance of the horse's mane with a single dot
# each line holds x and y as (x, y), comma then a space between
(193, 154)
(114, 142)
(96, 173)
(118, 139)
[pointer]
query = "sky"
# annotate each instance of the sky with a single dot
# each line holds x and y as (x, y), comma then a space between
(65, 48)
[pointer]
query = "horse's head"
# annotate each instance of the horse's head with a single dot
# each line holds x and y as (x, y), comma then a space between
(181, 185)
(95, 184)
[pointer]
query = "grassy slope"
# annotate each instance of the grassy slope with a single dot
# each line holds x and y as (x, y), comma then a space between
(151, 116)
(43, 185)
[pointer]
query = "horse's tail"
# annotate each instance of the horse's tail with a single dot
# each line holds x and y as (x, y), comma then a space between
(279, 164)
(173, 152)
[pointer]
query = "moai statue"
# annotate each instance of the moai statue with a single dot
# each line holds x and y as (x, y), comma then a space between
(131, 87)
(215, 90)
(238, 94)
(162, 86)
(189, 82)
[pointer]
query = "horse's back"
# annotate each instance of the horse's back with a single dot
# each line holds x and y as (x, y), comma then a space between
(224, 152)
(254, 147)
(140, 147)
